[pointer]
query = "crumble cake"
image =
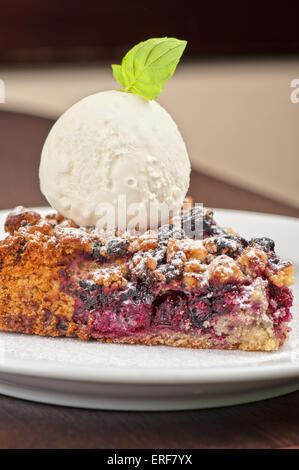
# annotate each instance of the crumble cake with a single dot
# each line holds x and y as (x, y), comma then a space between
(160, 287)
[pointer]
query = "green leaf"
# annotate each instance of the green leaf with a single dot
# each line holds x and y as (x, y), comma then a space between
(149, 65)
(117, 74)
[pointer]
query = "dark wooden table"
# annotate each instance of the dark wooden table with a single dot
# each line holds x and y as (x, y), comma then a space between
(268, 424)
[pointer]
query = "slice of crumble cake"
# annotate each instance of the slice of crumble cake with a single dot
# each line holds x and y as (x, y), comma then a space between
(160, 287)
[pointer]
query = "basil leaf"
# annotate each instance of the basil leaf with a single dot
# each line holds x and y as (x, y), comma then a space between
(117, 73)
(149, 65)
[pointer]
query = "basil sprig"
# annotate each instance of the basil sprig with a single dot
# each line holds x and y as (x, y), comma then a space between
(147, 66)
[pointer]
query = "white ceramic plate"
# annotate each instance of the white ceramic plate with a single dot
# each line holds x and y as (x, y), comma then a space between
(87, 374)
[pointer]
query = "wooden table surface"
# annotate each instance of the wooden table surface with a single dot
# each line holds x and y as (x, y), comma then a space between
(268, 424)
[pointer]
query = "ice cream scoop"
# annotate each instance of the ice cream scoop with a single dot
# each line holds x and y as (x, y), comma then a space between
(110, 149)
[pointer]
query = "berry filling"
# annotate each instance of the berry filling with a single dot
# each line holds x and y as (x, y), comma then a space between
(145, 307)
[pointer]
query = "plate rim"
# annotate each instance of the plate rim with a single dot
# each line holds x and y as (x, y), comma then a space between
(152, 376)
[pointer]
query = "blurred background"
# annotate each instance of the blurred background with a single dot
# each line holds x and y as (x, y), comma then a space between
(230, 94)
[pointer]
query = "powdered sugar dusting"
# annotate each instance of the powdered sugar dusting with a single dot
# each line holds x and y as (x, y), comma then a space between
(72, 232)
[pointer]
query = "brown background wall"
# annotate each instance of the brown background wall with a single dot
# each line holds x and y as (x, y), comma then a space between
(35, 30)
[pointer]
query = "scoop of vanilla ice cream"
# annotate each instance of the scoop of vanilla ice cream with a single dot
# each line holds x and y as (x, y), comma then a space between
(110, 145)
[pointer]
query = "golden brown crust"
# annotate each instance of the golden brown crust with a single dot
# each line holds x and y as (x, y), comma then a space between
(53, 238)
(253, 339)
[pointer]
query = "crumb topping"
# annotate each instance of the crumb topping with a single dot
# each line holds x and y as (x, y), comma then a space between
(162, 255)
